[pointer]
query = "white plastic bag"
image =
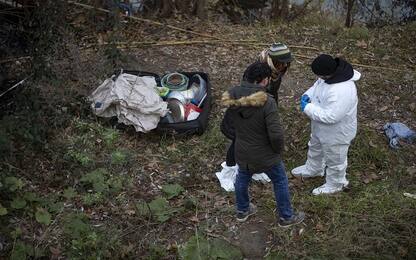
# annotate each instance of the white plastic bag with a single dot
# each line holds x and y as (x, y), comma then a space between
(228, 175)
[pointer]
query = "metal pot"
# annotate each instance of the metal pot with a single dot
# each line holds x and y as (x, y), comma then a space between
(177, 110)
(177, 95)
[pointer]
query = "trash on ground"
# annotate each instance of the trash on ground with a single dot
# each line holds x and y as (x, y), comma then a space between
(228, 175)
(183, 95)
(134, 100)
(409, 195)
(397, 131)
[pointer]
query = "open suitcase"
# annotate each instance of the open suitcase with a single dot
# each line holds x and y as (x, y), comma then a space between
(195, 126)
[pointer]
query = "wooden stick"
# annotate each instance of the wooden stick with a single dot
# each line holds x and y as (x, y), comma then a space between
(218, 236)
(144, 20)
(167, 43)
(378, 67)
(303, 47)
(15, 86)
(304, 56)
(236, 42)
(219, 40)
(359, 65)
(184, 30)
(15, 59)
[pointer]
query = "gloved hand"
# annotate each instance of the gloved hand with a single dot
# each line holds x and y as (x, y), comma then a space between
(304, 100)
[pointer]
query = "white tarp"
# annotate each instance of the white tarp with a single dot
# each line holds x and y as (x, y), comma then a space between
(134, 100)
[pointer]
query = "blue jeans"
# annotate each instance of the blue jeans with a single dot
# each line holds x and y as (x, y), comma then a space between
(277, 175)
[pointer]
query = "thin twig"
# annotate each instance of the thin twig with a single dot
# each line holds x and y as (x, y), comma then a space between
(144, 20)
(359, 65)
(378, 67)
(218, 236)
(15, 59)
(15, 86)
(183, 30)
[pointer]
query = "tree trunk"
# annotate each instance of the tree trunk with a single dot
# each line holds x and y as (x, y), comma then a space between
(184, 6)
(348, 19)
(201, 9)
(280, 9)
(284, 9)
(167, 8)
(276, 9)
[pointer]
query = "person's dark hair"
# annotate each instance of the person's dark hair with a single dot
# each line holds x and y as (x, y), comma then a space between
(256, 72)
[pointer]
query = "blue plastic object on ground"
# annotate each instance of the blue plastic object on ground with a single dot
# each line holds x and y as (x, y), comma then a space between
(397, 131)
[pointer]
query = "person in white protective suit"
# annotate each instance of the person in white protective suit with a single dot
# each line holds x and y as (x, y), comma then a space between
(331, 104)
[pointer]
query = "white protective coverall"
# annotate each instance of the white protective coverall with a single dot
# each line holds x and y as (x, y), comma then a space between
(333, 114)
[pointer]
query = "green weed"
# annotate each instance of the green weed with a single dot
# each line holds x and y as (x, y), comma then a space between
(86, 242)
(198, 247)
(158, 208)
(80, 157)
(357, 33)
(97, 180)
(118, 157)
(110, 136)
(69, 193)
(22, 250)
(91, 199)
(368, 152)
(172, 190)
(156, 252)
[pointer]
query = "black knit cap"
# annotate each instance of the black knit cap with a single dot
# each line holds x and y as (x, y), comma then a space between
(324, 65)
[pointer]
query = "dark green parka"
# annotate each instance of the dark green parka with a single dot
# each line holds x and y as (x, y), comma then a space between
(253, 120)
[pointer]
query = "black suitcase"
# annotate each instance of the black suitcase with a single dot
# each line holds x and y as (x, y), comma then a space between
(196, 126)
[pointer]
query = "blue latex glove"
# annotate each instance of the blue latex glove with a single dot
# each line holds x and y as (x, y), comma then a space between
(304, 100)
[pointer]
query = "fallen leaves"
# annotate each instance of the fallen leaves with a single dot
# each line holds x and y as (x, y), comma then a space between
(320, 228)
(361, 44)
(194, 219)
(370, 178)
(411, 170)
(383, 108)
(56, 252)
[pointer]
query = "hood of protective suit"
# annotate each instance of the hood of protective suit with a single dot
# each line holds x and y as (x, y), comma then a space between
(344, 72)
(244, 98)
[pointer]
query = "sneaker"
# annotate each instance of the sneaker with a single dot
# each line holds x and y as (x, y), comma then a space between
(296, 218)
(243, 216)
(301, 171)
(329, 189)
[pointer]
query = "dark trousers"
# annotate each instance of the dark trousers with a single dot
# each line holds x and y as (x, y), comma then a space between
(280, 187)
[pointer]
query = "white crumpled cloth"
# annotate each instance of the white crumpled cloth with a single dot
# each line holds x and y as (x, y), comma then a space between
(134, 100)
(228, 175)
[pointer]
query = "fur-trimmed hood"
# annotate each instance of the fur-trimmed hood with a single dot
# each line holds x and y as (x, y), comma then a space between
(256, 99)
(246, 95)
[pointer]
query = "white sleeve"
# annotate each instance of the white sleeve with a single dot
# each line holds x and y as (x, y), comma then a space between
(338, 103)
(311, 90)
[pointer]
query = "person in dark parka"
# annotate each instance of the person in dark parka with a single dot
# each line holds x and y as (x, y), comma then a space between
(259, 141)
(278, 57)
